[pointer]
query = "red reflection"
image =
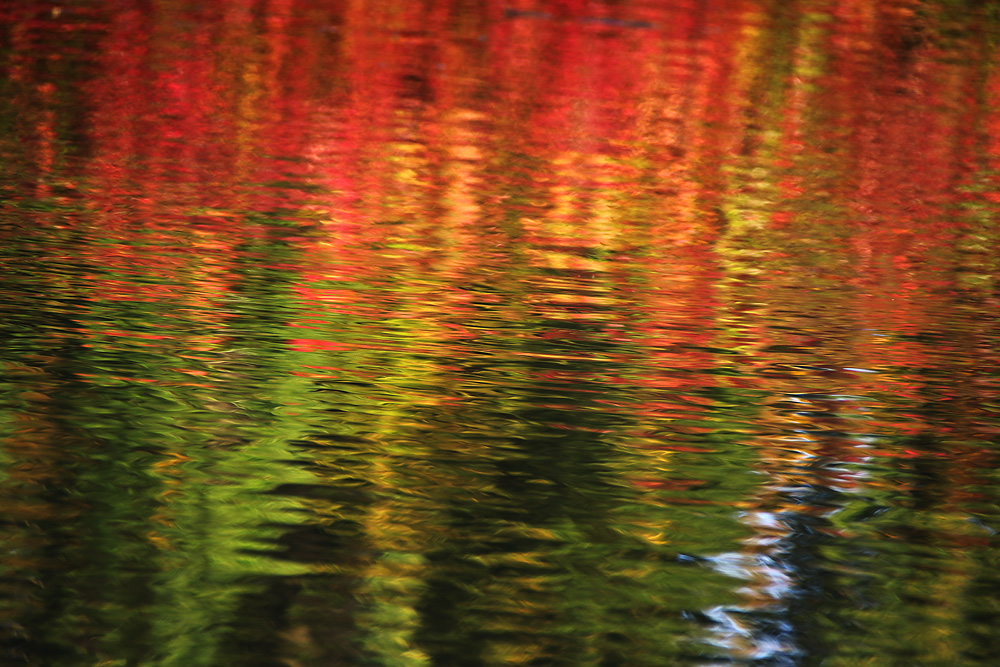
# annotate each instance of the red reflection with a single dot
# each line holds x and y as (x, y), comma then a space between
(649, 152)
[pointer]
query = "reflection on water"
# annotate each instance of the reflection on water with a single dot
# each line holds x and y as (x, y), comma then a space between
(547, 333)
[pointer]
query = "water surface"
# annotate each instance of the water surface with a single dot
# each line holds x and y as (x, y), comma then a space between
(471, 334)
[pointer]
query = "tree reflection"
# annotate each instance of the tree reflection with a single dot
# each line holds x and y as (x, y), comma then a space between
(451, 333)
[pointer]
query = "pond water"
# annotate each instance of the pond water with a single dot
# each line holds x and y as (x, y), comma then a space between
(447, 333)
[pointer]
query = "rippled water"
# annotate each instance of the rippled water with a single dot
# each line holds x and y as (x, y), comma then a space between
(470, 334)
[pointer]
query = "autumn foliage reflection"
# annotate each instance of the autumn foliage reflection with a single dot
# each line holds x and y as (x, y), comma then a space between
(709, 260)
